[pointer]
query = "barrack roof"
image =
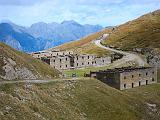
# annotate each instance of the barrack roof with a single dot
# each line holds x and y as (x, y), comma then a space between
(123, 69)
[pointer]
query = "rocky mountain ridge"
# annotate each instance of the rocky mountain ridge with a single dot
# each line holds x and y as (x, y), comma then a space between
(40, 36)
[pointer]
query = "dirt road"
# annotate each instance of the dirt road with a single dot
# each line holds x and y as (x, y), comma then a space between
(127, 56)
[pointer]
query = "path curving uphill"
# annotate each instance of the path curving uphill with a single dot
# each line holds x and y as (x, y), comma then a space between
(127, 57)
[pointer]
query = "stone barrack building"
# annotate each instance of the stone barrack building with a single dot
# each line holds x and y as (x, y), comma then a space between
(64, 60)
(125, 78)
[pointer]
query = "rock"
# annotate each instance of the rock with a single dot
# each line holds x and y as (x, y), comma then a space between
(13, 71)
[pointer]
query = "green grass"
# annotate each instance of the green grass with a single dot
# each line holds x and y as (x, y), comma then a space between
(87, 99)
(81, 72)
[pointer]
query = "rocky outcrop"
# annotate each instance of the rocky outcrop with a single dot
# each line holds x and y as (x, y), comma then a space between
(13, 71)
(152, 55)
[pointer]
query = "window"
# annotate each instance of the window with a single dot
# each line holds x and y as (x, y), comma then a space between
(146, 73)
(152, 79)
(88, 63)
(69, 52)
(139, 75)
(92, 62)
(103, 60)
(146, 82)
(132, 85)
(124, 77)
(82, 63)
(82, 57)
(60, 60)
(66, 59)
(139, 83)
(53, 60)
(57, 53)
(60, 66)
(153, 72)
(66, 66)
(88, 57)
(77, 64)
(124, 85)
(77, 58)
(132, 76)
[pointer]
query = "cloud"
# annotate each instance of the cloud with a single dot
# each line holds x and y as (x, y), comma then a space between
(20, 2)
(104, 12)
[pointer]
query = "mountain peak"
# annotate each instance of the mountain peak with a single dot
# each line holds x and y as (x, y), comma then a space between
(6, 21)
(69, 22)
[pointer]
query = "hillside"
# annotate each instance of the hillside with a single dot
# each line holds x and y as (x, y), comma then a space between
(18, 65)
(78, 100)
(139, 33)
(85, 44)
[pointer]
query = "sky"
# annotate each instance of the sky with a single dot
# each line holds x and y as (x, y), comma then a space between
(102, 12)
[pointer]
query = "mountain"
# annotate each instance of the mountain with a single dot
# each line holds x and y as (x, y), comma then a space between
(85, 45)
(17, 65)
(40, 36)
(140, 33)
(143, 32)
(63, 32)
(17, 38)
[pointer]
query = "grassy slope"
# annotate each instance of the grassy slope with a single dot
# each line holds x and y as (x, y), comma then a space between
(142, 32)
(22, 59)
(84, 99)
(158, 74)
(85, 45)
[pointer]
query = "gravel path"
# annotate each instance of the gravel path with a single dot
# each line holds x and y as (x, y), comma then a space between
(127, 56)
(39, 81)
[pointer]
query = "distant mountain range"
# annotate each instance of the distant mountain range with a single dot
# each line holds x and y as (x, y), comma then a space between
(40, 36)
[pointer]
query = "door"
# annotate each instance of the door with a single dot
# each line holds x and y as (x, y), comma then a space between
(146, 82)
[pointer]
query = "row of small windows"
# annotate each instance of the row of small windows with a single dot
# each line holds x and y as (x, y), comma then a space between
(77, 63)
(67, 59)
(82, 57)
(61, 66)
(87, 63)
(139, 75)
(60, 60)
(125, 85)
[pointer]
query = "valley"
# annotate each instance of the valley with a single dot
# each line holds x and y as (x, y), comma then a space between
(110, 74)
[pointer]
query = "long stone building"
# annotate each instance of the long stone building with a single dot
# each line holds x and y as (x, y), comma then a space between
(125, 78)
(52, 53)
(63, 60)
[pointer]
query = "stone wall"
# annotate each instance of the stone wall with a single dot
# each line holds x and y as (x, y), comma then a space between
(126, 79)
(50, 53)
(63, 60)
(60, 62)
(102, 61)
(111, 79)
(138, 78)
(77, 61)
(83, 61)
